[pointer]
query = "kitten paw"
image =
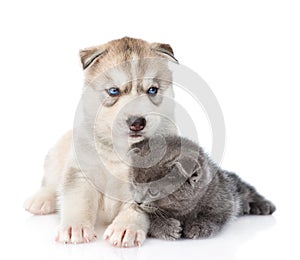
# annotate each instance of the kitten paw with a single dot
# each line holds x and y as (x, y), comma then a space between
(121, 236)
(262, 207)
(171, 230)
(195, 231)
(42, 203)
(75, 234)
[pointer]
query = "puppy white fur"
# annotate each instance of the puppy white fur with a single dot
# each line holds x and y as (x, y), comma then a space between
(132, 66)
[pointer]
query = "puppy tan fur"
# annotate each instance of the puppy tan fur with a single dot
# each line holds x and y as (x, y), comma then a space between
(132, 66)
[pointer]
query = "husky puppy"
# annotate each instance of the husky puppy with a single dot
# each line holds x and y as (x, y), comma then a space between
(131, 81)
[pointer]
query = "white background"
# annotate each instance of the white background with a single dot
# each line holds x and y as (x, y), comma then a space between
(247, 51)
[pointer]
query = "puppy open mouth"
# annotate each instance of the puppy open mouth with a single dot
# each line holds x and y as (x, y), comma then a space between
(135, 135)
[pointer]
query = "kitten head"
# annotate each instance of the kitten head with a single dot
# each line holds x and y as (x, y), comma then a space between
(175, 181)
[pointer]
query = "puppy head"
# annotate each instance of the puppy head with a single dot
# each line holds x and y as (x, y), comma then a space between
(133, 84)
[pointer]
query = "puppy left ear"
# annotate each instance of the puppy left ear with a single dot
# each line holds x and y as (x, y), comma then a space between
(89, 55)
(165, 50)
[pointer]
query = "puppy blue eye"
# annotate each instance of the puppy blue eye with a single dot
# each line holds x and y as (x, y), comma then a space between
(113, 92)
(152, 91)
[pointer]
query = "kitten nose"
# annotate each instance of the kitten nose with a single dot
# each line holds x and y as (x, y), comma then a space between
(136, 123)
(138, 203)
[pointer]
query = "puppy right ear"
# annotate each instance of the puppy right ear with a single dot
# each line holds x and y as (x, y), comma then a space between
(89, 55)
(165, 50)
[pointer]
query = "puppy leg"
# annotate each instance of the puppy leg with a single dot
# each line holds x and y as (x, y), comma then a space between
(41, 203)
(79, 206)
(128, 229)
(44, 201)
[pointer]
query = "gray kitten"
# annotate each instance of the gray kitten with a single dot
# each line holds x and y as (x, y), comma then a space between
(186, 194)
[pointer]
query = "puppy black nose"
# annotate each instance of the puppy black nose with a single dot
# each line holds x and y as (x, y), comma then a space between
(138, 203)
(136, 123)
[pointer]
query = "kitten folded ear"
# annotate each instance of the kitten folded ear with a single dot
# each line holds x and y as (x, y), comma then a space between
(196, 176)
(89, 55)
(164, 50)
(191, 169)
(187, 166)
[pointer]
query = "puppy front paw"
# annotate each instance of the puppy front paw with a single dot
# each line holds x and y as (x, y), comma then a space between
(124, 236)
(75, 234)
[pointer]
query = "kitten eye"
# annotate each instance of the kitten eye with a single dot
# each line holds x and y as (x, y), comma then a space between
(152, 91)
(113, 92)
(154, 192)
